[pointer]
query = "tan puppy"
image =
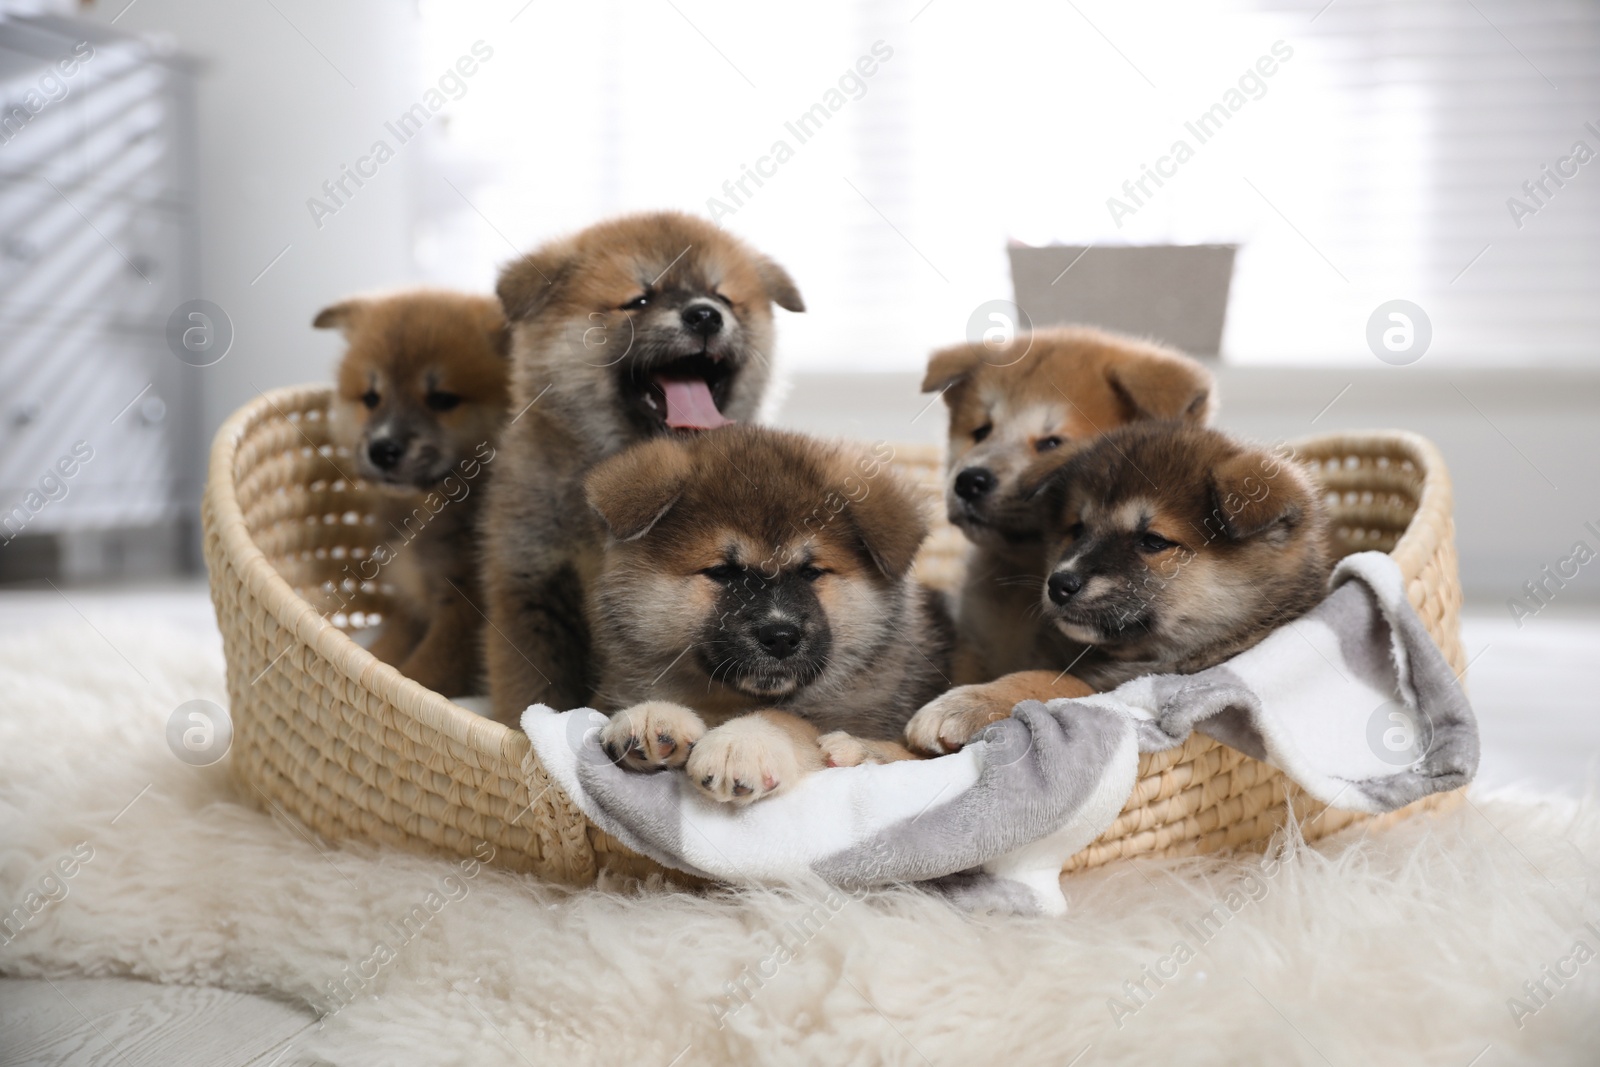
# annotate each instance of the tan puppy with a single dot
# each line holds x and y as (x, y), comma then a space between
(421, 401)
(639, 327)
(1016, 413)
(763, 580)
(1172, 548)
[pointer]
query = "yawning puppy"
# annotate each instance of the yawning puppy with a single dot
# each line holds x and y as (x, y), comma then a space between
(421, 401)
(1172, 548)
(761, 579)
(1016, 412)
(635, 328)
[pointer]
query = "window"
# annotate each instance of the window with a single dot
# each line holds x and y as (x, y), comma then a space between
(1383, 157)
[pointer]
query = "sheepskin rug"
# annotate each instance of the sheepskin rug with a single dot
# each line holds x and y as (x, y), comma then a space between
(1464, 939)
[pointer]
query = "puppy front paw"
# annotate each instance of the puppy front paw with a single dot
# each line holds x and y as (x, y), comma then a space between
(956, 719)
(840, 749)
(746, 759)
(651, 736)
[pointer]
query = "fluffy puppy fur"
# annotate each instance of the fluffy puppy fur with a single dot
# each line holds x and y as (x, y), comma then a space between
(1172, 548)
(1015, 414)
(632, 329)
(421, 402)
(763, 579)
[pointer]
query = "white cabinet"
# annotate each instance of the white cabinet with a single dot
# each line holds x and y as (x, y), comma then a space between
(97, 248)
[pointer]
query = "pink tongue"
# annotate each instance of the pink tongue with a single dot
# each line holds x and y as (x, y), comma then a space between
(689, 404)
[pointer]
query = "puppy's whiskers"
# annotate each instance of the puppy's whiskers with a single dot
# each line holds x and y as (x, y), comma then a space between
(717, 669)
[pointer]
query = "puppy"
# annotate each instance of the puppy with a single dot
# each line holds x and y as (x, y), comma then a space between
(640, 327)
(1172, 548)
(763, 579)
(1016, 413)
(421, 400)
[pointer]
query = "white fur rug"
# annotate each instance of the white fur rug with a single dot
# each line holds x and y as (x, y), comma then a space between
(1428, 943)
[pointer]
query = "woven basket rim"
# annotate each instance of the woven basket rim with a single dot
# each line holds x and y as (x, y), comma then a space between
(1435, 501)
(296, 615)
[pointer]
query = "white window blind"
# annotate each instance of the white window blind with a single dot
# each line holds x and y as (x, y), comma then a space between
(1375, 162)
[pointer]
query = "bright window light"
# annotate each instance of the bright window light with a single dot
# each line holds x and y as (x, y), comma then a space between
(1375, 162)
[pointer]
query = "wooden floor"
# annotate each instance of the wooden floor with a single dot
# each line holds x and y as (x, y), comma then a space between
(120, 1022)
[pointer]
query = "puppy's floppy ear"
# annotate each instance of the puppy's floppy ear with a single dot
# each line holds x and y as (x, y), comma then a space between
(780, 288)
(528, 285)
(632, 490)
(341, 316)
(1162, 387)
(889, 522)
(950, 365)
(1254, 494)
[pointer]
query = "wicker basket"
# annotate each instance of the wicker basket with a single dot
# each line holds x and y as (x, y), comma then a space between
(353, 749)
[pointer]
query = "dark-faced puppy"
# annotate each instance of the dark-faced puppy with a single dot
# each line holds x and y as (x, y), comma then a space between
(420, 403)
(1172, 548)
(639, 327)
(759, 583)
(1016, 412)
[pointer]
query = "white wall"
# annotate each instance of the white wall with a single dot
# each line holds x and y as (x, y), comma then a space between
(276, 119)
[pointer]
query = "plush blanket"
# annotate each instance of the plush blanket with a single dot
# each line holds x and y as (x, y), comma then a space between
(1353, 701)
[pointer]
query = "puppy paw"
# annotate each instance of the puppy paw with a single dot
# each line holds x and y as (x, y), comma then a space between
(746, 759)
(840, 749)
(651, 736)
(956, 719)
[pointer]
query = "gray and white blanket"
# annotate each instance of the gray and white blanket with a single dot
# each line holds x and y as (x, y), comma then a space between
(1353, 701)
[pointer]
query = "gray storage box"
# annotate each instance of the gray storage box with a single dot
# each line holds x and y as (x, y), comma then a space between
(1172, 293)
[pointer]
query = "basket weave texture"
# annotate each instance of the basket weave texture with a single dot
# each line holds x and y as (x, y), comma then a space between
(353, 749)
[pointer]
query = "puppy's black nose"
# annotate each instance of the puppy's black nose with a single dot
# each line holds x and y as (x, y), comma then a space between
(1063, 586)
(702, 319)
(780, 639)
(385, 452)
(974, 482)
